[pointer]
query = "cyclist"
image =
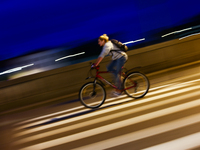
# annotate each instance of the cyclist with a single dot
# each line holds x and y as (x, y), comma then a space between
(118, 60)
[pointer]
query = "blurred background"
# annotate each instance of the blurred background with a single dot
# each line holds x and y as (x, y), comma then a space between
(36, 36)
(45, 46)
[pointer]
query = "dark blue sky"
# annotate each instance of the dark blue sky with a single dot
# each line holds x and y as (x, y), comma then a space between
(29, 25)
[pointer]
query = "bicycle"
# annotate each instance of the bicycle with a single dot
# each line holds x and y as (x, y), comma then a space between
(93, 94)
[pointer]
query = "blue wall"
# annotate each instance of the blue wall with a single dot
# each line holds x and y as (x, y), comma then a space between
(31, 25)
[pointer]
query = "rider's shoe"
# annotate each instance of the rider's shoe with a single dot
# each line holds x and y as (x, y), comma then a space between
(116, 93)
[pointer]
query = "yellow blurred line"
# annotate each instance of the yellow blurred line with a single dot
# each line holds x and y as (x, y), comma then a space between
(37, 104)
(123, 139)
(100, 112)
(186, 142)
(46, 116)
(174, 84)
(173, 68)
(173, 87)
(133, 136)
(50, 115)
(105, 118)
(111, 99)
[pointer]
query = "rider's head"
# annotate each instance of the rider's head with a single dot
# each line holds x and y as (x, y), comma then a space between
(103, 39)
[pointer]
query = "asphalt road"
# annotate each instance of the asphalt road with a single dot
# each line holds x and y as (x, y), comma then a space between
(167, 118)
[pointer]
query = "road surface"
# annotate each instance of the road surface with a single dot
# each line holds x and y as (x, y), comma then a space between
(167, 118)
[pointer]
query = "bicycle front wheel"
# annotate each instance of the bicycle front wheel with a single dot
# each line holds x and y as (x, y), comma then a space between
(136, 85)
(92, 95)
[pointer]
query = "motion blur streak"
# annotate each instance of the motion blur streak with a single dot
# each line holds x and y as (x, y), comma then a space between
(173, 87)
(187, 142)
(134, 41)
(156, 130)
(15, 69)
(188, 36)
(176, 32)
(70, 56)
(42, 117)
(26, 73)
(143, 133)
(105, 118)
(107, 110)
(111, 99)
(46, 116)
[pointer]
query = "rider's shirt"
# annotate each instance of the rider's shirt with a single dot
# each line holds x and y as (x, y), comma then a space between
(116, 54)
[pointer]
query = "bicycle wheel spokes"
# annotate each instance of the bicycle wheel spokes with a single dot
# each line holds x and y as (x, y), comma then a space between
(92, 97)
(136, 85)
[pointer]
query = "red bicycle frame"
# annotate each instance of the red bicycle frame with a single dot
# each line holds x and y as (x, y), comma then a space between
(102, 79)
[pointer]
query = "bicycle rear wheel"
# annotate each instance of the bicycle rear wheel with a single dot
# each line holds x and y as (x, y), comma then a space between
(92, 95)
(136, 85)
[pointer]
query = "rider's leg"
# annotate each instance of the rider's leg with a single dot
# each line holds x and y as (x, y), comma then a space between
(115, 67)
(120, 63)
(111, 68)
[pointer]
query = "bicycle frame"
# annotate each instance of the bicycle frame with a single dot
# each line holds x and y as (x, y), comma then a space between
(102, 79)
(93, 94)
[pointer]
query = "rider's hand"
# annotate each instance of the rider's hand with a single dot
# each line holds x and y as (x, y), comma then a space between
(93, 65)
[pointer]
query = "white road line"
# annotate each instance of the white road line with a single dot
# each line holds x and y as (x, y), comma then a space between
(104, 118)
(127, 122)
(64, 115)
(49, 115)
(184, 143)
(111, 99)
(172, 87)
(173, 68)
(134, 103)
(130, 137)
(58, 113)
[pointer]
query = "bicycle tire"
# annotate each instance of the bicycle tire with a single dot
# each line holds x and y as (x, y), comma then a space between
(91, 99)
(137, 85)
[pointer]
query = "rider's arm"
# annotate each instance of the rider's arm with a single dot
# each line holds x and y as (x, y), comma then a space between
(99, 59)
(105, 51)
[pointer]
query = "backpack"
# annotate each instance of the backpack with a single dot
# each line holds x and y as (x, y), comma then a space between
(120, 45)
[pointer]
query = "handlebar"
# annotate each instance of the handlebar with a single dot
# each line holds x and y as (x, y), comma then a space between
(90, 71)
(93, 66)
